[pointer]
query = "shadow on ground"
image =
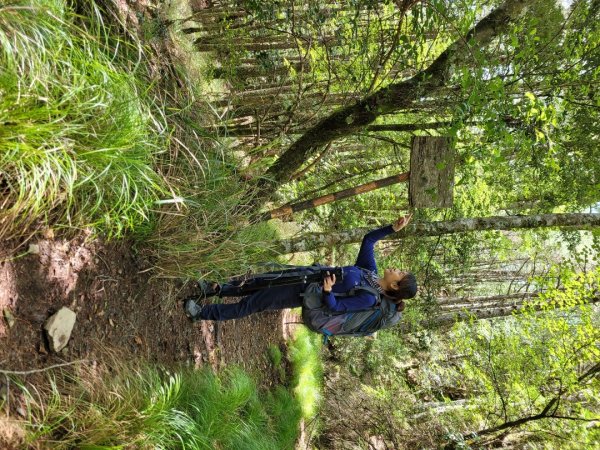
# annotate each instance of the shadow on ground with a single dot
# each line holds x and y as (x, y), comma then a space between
(120, 307)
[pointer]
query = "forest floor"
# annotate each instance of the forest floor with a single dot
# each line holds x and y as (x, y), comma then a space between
(120, 309)
(120, 306)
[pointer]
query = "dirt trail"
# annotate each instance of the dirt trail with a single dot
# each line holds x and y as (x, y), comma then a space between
(119, 307)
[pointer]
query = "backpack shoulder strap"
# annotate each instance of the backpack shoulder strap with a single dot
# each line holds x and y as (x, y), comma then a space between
(371, 290)
(352, 292)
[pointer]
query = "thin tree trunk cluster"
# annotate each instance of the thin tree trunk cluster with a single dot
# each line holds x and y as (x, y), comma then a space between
(271, 51)
(459, 303)
(490, 311)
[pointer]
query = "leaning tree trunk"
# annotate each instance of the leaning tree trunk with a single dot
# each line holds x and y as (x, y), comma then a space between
(392, 98)
(404, 127)
(449, 317)
(287, 210)
(312, 241)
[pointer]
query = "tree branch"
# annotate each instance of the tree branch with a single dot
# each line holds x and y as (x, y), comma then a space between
(45, 369)
(591, 372)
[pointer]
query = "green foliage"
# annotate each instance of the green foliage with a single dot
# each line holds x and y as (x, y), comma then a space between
(377, 360)
(145, 407)
(79, 135)
(522, 111)
(532, 100)
(515, 368)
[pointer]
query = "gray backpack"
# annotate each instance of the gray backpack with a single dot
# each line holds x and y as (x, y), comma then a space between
(321, 319)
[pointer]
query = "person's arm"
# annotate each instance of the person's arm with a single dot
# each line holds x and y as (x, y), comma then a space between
(328, 297)
(366, 254)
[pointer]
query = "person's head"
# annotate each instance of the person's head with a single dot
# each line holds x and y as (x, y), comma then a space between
(398, 285)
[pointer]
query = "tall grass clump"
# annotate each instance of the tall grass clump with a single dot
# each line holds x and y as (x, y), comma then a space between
(79, 136)
(150, 408)
(211, 228)
(211, 232)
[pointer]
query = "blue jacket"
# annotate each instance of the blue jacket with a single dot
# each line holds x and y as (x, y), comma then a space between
(353, 276)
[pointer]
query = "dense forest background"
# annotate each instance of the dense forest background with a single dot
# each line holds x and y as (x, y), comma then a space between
(177, 127)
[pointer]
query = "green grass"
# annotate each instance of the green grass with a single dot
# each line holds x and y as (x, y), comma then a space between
(89, 138)
(144, 407)
(307, 370)
(127, 405)
(276, 359)
(79, 135)
(210, 232)
(275, 355)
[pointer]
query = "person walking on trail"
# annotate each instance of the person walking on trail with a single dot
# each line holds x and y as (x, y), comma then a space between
(359, 288)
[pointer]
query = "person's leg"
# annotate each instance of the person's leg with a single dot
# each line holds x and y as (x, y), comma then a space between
(276, 297)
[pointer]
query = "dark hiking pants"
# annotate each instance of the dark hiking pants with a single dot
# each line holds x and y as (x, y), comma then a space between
(266, 299)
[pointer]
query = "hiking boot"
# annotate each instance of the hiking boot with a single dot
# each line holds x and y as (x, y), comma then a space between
(208, 288)
(192, 308)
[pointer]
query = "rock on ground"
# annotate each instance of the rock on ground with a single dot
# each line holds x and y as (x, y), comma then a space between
(59, 327)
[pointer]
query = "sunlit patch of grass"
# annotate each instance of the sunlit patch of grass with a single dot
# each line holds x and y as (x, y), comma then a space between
(307, 370)
(231, 414)
(143, 407)
(79, 136)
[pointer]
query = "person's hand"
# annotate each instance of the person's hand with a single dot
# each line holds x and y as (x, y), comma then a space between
(401, 222)
(328, 282)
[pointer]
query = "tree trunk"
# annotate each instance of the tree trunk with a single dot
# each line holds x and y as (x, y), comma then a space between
(409, 126)
(394, 97)
(436, 408)
(312, 241)
(254, 71)
(328, 198)
(399, 127)
(449, 317)
(483, 301)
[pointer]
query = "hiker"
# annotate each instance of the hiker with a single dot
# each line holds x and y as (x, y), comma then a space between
(359, 289)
